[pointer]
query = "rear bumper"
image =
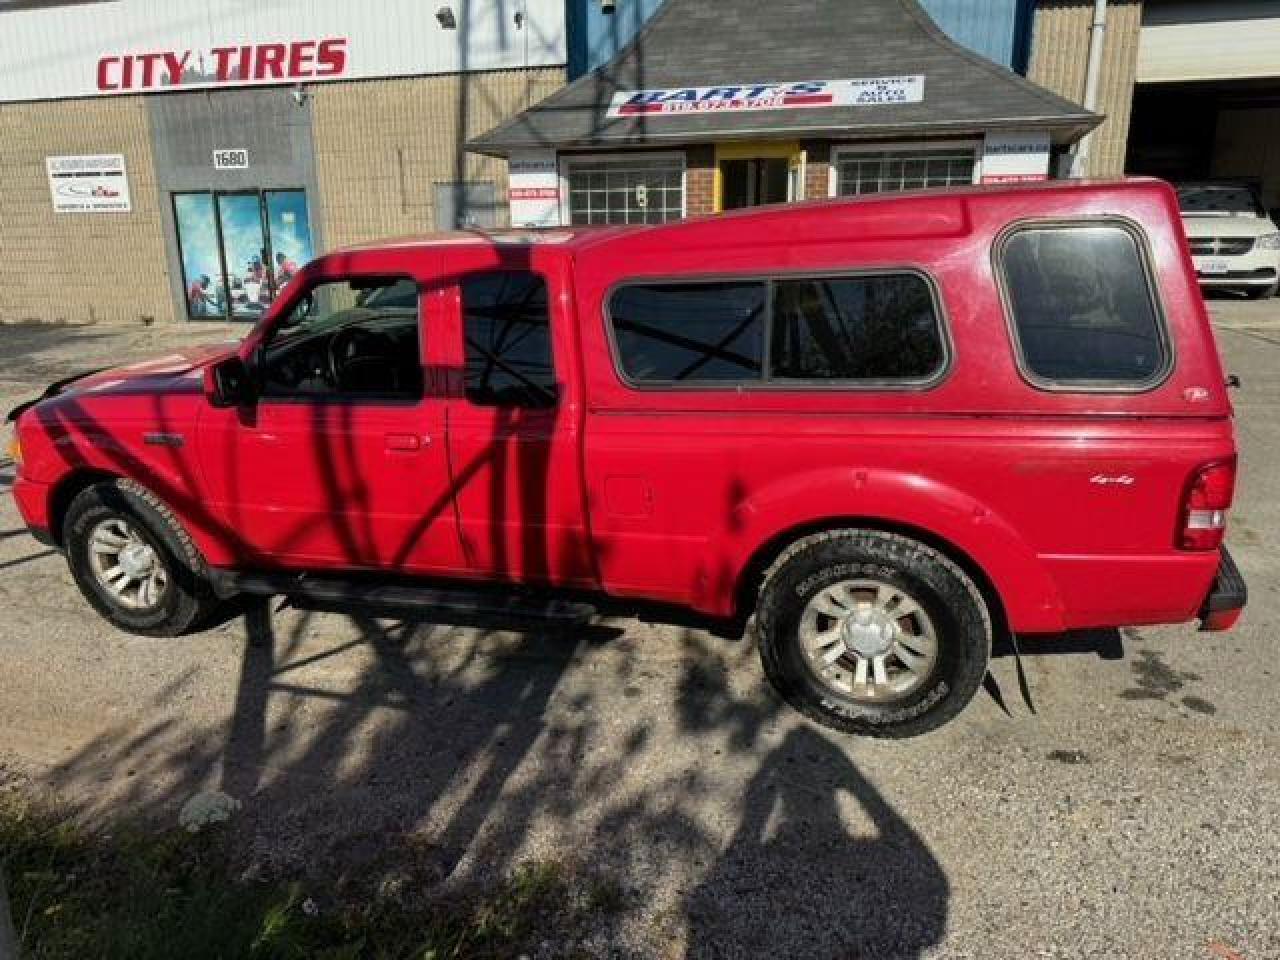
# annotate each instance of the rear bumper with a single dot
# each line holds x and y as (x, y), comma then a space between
(1227, 597)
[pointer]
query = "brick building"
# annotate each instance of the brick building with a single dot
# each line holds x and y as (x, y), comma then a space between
(240, 142)
(716, 106)
(144, 148)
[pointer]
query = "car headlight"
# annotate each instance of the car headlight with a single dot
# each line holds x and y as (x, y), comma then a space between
(15, 449)
(1268, 241)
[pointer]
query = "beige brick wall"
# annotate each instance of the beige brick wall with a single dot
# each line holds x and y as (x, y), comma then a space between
(1059, 59)
(382, 145)
(78, 267)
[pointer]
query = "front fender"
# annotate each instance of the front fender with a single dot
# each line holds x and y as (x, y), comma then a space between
(848, 496)
(65, 440)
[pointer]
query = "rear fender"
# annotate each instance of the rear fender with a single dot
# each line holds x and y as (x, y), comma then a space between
(890, 499)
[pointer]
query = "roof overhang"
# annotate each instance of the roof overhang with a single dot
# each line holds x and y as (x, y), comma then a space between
(692, 44)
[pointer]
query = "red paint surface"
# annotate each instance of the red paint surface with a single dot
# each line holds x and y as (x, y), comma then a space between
(673, 494)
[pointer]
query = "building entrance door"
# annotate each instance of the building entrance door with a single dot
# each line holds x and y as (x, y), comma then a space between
(239, 248)
(751, 182)
(750, 174)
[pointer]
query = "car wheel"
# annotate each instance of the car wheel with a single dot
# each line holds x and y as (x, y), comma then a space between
(872, 633)
(1261, 293)
(134, 562)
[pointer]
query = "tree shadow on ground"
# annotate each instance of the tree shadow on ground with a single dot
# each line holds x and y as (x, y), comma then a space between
(455, 753)
(796, 879)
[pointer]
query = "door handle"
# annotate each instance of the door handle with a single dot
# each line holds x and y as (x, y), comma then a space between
(405, 441)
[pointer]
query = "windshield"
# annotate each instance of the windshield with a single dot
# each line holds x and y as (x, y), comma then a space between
(1218, 200)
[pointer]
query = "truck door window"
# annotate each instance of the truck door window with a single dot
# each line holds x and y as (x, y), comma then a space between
(874, 328)
(347, 340)
(1083, 307)
(690, 333)
(507, 327)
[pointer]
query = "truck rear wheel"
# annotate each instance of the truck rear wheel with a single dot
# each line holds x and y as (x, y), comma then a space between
(133, 561)
(872, 633)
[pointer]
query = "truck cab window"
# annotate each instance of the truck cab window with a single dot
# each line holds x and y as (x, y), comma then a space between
(507, 328)
(354, 339)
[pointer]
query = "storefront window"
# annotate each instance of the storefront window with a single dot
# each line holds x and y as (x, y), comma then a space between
(630, 189)
(877, 171)
(239, 249)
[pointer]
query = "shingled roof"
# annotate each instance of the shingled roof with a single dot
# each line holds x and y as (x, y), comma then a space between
(700, 43)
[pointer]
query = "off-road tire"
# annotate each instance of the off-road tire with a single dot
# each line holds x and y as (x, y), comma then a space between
(188, 598)
(947, 593)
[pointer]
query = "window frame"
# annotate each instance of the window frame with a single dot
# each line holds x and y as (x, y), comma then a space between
(841, 149)
(351, 400)
(566, 161)
(765, 382)
(559, 383)
(1145, 259)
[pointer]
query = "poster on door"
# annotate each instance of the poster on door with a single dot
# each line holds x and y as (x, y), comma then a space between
(89, 184)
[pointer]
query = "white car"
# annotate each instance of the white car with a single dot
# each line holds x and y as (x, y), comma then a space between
(1234, 244)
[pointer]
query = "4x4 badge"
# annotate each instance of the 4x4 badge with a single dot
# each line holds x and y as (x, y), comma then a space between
(1103, 479)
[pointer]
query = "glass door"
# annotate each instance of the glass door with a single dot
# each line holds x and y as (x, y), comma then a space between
(245, 254)
(201, 253)
(239, 249)
(750, 174)
(288, 234)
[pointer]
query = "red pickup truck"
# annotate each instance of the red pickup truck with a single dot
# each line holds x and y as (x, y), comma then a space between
(889, 427)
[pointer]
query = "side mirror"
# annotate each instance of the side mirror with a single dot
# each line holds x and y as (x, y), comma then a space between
(228, 383)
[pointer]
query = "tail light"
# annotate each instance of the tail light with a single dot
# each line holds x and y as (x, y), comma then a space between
(1204, 507)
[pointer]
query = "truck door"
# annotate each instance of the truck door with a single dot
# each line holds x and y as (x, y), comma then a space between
(342, 461)
(514, 428)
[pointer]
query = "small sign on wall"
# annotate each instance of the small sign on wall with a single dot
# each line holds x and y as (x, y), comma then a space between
(233, 158)
(89, 184)
(1015, 157)
(534, 189)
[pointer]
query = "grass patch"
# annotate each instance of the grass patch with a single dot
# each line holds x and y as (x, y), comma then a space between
(137, 893)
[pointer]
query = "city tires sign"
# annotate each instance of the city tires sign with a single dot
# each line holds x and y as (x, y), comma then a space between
(743, 97)
(59, 50)
(88, 184)
(257, 63)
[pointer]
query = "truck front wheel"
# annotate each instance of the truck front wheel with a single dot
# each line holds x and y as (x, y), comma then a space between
(133, 561)
(872, 633)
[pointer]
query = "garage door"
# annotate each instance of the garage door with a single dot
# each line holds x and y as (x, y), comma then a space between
(1228, 40)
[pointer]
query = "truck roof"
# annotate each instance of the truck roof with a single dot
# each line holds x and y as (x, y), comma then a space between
(576, 238)
(508, 236)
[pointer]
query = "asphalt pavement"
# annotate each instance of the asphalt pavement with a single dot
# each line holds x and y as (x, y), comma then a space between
(1133, 814)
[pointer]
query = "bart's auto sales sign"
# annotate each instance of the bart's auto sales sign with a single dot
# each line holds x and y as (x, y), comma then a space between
(742, 97)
